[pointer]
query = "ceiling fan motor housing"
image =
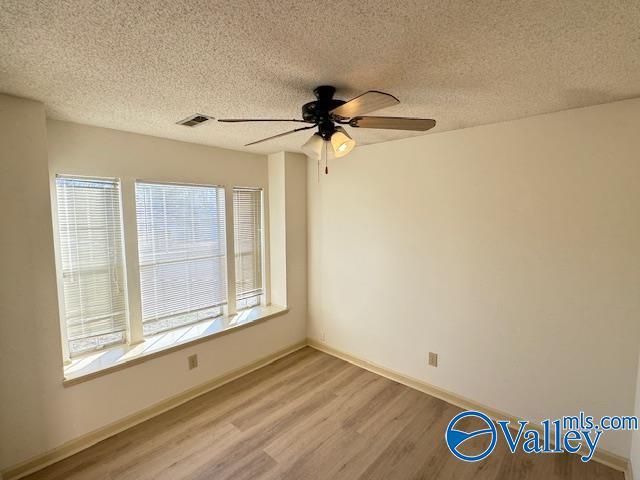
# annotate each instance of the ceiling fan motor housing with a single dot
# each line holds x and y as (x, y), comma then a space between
(318, 111)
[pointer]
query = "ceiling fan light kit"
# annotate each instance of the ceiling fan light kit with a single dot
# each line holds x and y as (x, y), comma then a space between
(339, 145)
(328, 114)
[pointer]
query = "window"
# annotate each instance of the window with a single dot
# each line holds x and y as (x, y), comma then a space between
(247, 227)
(182, 254)
(92, 263)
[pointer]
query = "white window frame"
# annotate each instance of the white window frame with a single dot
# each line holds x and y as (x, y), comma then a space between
(134, 330)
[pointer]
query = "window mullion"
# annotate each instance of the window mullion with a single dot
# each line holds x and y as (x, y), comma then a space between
(231, 263)
(131, 253)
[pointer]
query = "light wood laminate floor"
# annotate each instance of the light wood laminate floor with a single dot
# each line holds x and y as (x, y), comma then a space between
(306, 416)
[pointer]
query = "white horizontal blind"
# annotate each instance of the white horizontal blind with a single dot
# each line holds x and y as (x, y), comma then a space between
(92, 259)
(247, 228)
(182, 254)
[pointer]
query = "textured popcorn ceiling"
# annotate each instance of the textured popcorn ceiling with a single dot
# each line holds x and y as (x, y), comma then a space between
(143, 65)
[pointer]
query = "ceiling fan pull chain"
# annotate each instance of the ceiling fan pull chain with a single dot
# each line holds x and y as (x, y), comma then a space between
(324, 154)
(326, 163)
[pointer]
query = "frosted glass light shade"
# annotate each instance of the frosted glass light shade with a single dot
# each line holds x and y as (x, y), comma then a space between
(341, 142)
(313, 146)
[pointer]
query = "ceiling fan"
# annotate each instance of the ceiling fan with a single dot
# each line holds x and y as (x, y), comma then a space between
(328, 114)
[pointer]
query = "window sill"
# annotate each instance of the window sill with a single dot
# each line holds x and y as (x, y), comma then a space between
(110, 360)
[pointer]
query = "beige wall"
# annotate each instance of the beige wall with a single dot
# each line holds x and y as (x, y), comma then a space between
(278, 228)
(38, 414)
(29, 333)
(512, 250)
(288, 206)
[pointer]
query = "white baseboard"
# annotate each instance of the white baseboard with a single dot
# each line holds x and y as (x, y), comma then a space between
(601, 456)
(85, 441)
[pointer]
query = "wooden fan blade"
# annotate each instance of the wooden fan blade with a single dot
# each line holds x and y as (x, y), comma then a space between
(281, 135)
(367, 102)
(237, 120)
(393, 123)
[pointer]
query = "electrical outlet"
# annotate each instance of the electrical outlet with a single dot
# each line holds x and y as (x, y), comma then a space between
(322, 335)
(193, 361)
(433, 359)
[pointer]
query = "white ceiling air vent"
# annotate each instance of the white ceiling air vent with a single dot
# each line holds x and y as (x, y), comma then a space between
(194, 120)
